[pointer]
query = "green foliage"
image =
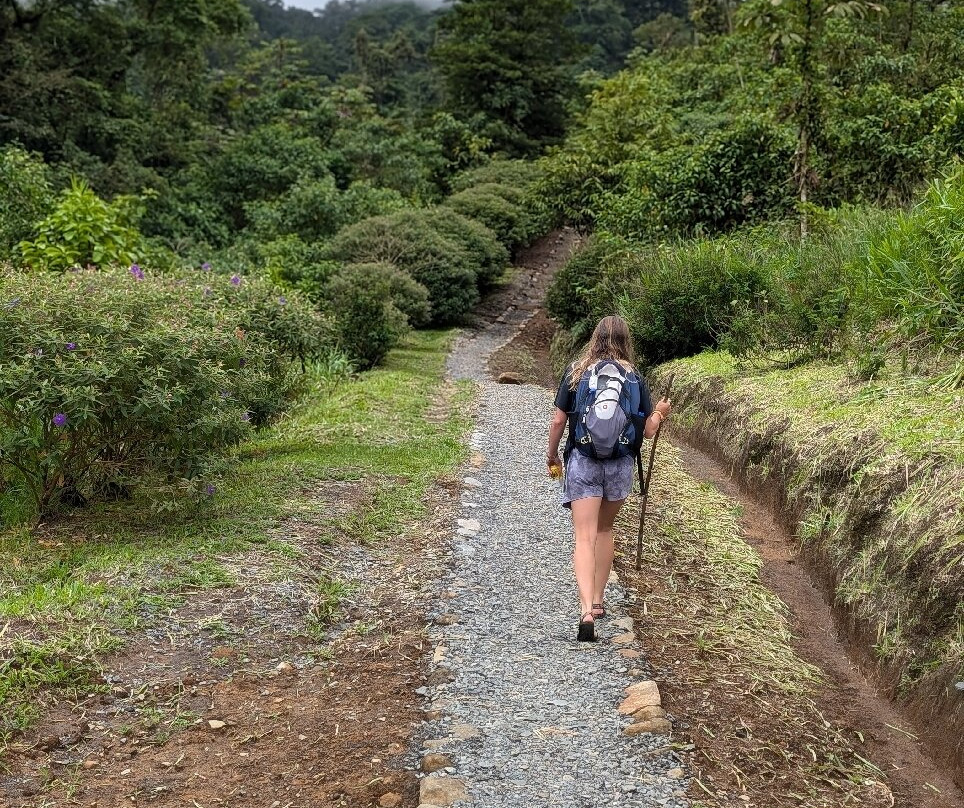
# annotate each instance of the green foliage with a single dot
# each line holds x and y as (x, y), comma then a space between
(371, 306)
(914, 270)
(520, 174)
(296, 264)
(481, 244)
(571, 298)
(679, 299)
(114, 378)
(504, 63)
(410, 241)
(26, 197)
(852, 107)
(737, 176)
(498, 207)
(84, 230)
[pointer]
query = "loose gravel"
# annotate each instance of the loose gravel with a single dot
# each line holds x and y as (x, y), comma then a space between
(528, 716)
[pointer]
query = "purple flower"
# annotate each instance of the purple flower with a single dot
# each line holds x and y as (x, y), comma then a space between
(235, 280)
(207, 291)
(71, 346)
(60, 419)
(10, 304)
(206, 266)
(242, 362)
(224, 394)
(38, 352)
(283, 300)
(209, 490)
(246, 416)
(137, 272)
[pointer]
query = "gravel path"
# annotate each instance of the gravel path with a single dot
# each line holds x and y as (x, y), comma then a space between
(528, 716)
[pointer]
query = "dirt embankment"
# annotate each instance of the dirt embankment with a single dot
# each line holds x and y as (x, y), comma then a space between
(876, 532)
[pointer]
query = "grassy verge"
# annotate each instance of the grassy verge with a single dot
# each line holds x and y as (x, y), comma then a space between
(76, 590)
(722, 646)
(872, 475)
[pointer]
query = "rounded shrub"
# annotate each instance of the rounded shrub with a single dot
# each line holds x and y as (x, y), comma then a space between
(520, 174)
(408, 240)
(369, 306)
(479, 242)
(491, 205)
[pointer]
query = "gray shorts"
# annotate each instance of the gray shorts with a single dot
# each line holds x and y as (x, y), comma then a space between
(585, 477)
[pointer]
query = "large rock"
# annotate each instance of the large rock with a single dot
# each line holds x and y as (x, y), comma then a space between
(657, 726)
(510, 378)
(434, 761)
(441, 791)
(648, 713)
(639, 695)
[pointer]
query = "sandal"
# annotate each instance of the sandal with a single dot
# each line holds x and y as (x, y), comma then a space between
(587, 628)
(598, 611)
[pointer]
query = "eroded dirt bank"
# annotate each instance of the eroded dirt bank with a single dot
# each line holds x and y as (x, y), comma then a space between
(878, 728)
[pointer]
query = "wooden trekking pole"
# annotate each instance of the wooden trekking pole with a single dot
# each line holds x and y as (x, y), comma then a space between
(644, 481)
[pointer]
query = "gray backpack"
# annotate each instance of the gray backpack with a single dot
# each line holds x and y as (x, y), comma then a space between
(606, 409)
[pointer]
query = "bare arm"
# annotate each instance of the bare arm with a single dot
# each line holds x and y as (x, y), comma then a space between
(656, 417)
(556, 428)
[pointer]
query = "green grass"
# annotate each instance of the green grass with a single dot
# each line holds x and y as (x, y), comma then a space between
(69, 590)
(908, 412)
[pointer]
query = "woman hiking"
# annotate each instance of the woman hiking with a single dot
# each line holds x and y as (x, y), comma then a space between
(600, 452)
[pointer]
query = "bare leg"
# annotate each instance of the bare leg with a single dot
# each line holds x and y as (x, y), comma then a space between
(585, 522)
(605, 549)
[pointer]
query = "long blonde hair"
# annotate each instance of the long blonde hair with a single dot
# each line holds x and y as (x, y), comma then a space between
(610, 340)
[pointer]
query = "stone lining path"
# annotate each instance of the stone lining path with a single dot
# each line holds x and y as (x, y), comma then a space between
(525, 715)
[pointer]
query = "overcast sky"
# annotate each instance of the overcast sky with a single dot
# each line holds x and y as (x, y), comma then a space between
(311, 5)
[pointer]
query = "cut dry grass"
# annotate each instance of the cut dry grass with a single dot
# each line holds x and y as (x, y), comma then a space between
(722, 647)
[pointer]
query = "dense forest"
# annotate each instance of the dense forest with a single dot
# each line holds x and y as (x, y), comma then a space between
(319, 182)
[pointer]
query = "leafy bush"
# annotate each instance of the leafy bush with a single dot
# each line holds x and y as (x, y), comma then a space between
(739, 175)
(409, 240)
(371, 305)
(26, 198)
(679, 300)
(572, 298)
(914, 270)
(83, 230)
(521, 174)
(112, 378)
(483, 247)
(296, 264)
(314, 209)
(490, 204)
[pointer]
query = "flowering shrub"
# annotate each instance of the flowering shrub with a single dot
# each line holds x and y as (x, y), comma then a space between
(109, 377)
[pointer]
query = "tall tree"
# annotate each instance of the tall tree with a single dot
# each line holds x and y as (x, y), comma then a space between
(505, 64)
(797, 27)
